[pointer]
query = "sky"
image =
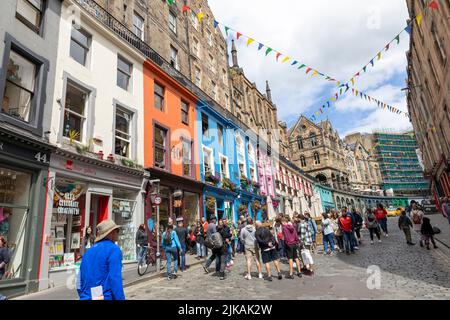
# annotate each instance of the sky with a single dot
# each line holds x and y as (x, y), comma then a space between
(335, 37)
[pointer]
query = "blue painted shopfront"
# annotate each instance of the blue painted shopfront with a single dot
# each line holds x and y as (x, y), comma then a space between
(326, 197)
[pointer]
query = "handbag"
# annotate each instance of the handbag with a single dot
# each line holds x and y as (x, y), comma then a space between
(307, 257)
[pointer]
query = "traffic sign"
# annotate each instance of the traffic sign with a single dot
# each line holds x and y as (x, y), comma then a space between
(158, 200)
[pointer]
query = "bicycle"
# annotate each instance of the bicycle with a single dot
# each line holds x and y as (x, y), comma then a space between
(150, 257)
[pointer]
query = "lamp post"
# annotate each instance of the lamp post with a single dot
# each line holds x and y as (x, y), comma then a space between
(158, 253)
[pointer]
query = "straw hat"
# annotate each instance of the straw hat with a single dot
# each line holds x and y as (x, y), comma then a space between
(104, 228)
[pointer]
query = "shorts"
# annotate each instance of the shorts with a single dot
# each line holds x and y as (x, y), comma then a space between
(252, 253)
(269, 256)
(292, 252)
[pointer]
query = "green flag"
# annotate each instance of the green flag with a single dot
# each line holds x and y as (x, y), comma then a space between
(268, 51)
(170, 2)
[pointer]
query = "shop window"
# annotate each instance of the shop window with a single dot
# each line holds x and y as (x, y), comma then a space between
(187, 158)
(66, 230)
(159, 97)
(74, 112)
(30, 13)
(14, 198)
(80, 42)
(20, 87)
(123, 206)
(191, 207)
(123, 133)
(138, 26)
(160, 142)
(124, 70)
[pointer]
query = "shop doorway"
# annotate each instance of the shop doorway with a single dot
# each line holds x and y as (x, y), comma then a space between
(98, 210)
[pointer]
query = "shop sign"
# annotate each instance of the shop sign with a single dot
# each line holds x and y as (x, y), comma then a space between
(23, 152)
(123, 207)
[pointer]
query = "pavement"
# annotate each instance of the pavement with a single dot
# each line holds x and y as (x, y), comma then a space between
(129, 275)
(389, 270)
(438, 220)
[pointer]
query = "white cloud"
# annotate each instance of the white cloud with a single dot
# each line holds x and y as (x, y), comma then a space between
(336, 37)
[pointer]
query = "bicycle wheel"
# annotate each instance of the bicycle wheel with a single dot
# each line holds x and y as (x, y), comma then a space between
(143, 267)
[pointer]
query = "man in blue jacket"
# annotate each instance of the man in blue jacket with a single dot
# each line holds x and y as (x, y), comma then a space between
(101, 267)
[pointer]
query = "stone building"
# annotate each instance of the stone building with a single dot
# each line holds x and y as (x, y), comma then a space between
(197, 50)
(429, 90)
(319, 151)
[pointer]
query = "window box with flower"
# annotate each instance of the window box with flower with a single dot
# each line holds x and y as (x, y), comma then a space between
(212, 179)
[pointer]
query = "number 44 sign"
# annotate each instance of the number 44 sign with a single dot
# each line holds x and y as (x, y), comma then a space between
(41, 157)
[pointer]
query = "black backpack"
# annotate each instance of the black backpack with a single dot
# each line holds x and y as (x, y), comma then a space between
(168, 241)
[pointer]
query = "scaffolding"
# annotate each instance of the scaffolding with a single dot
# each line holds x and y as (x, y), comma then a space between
(396, 154)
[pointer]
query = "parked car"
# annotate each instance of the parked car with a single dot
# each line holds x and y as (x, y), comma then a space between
(394, 212)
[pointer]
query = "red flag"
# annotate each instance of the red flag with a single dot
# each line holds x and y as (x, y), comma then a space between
(278, 55)
(357, 75)
(387, 47)
(433, 5)
(239, 35)
(186, 9)
(308, 70)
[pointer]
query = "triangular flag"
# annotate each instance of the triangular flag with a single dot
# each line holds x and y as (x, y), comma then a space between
(398, 39)
(238, 35)
(250, 41)
(285, 59)
(340, 91)
(357, 74)
(338, 83)
(302, 66)
(226, 30)
(278, 55)
(294, 63)
(315, 73)
(357, 92)
(419, 19)
(353, 90)
(170, 2)
(260, 46)
(308, 70)
(379, 55)
(408, 29)
(321, 111)
(371, 61)
(337, 96)
(387, 47)
(332, 99)
(322, 74)
(348, 88)
(268, 51)
(200, 16)
(187, 8)
(216, 24)
(353, 81)
(328, 103)
(433, 5)
(365, 69)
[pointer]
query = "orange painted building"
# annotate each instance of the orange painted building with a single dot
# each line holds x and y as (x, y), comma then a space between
(170, 150)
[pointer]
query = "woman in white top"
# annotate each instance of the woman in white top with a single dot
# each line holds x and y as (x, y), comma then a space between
(328, 234)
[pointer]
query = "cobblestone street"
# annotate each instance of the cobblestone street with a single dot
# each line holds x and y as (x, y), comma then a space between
(406, 273)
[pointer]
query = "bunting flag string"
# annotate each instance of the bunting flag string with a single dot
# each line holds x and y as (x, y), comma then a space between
(380, 104)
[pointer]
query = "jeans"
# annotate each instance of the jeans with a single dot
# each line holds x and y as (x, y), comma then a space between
(171, 254)
(281, 249)
(182, 257)
(448, 219)
(383, 225)
(340, 241)
(328, 239)
(407, 232)
(376, 231)
(229, 253)
(354, 240)
(141, 254)
(348, 241)
(201, 250)
(220, 259)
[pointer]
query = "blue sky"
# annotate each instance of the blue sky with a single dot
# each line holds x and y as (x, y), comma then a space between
(335, 37)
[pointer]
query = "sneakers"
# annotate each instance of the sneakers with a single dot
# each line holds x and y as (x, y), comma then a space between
(248, 277)
(260, 276)
(280, 277)
(299, 274)
(231, 262)
(290, 276)
(379, 241)
(222, 276)
(371, 242)
(356, 248)
(269, 279)
(169, 278)
(206, 269)
(387, 235)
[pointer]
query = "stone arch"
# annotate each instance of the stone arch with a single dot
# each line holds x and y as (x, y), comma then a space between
(322, 178)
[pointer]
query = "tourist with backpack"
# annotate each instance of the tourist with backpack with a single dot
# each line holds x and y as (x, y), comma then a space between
(372, 225)
(171, 245)
(215, 241)
(313, 228)
(292, 242)
(267, 244)
(346, 225)
(427, 234)
(404, 223)
(416, 217)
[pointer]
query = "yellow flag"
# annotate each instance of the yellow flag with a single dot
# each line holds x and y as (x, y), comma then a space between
(379, 55)
(332, 99)
(315, 73)
(357, 92)
(250, 41)
(339, 84)
(285, 59)
(419, 19)
(353, 81)
(200, 16)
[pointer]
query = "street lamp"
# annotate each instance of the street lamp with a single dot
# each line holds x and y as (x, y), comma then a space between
(158, 253)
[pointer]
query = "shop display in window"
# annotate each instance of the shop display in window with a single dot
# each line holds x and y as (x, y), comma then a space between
(123, 214)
